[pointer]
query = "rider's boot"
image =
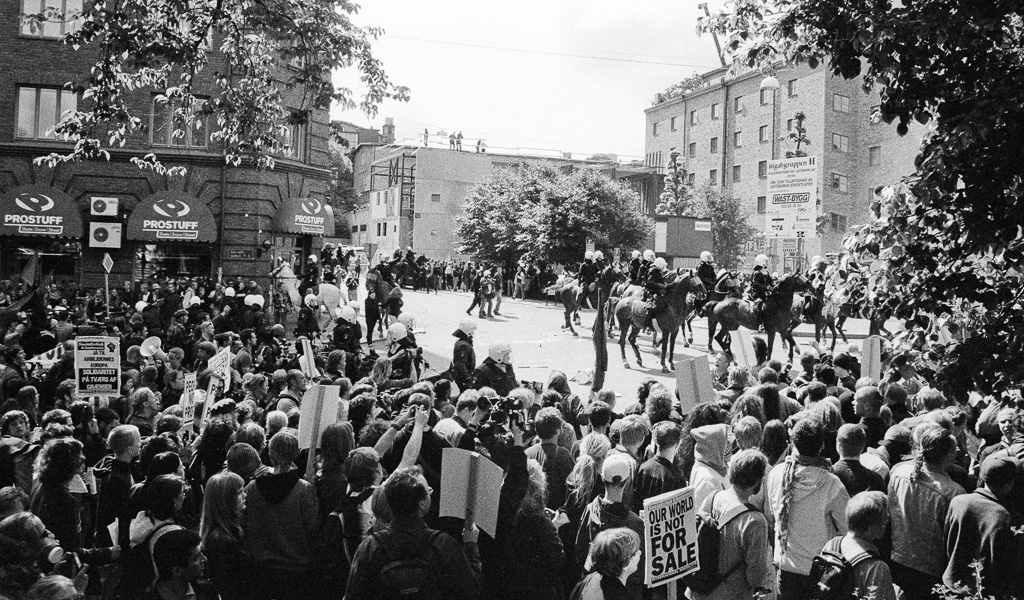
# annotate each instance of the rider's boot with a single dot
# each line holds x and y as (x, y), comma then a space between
(759, 315)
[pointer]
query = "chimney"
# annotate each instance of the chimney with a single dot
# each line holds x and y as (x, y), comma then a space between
(388, 131)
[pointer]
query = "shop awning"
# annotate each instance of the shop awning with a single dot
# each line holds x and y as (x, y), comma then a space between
(38, 210)
(172, 217)
(304, 215)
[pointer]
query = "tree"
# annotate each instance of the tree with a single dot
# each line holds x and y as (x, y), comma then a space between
(340, 192)
(946, 249)
(677, 197)
(730, 228)
(269, 47)
(798, 135)
(541, 213)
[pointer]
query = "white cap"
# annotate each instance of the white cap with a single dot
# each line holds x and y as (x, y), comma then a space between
(229, 292)
(140, 306)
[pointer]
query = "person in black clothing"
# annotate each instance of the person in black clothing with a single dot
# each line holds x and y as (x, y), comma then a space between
(496, 370)
(706, 270)
(634, 268)
(760, 284)
(475, 288)
(867, 404)
(346, 330)
(126, 444)
(464, 356)
(308, 325)
(659, 474)
(856, 477)
(371, 308)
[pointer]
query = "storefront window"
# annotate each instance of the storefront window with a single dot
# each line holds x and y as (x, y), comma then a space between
(173, 260)
(58, 259)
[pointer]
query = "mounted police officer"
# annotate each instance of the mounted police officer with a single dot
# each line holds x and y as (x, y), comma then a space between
(817, 275)
(706, 270)
(587, 274)
(634, 268)
(654, 288)
(760, 284)
(645, 266)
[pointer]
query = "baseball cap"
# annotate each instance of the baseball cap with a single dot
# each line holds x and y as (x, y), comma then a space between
(618, 468)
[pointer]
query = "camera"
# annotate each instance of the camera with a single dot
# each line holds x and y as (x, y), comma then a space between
(512, 410)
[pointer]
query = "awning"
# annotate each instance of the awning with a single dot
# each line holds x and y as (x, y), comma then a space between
(172, 217)
(304, 215)
(38, 210)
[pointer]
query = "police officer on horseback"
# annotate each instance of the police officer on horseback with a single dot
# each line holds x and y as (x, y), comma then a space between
(706, 270)
(654, 289)
(817, 276)
(645, 266)
(760, 284)
(634, 268)
(587, 274)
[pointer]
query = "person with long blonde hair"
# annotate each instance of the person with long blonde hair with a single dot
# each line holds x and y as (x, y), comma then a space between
(230, 565)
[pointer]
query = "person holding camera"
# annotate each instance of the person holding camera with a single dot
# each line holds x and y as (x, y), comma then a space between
(496, 371)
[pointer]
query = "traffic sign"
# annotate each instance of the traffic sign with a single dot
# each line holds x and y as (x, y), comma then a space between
(108, 263)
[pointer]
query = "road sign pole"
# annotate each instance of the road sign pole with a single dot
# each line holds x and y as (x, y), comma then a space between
(106, 290)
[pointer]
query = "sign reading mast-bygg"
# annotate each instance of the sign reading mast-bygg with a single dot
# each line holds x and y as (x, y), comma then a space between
(98, 366)
(792, 206)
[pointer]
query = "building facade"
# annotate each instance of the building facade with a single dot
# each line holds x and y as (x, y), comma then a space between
(727, 129)
(216, 221)
(413, 194)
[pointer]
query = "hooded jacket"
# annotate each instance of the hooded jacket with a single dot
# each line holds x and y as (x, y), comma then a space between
(280, 521)
(817, 512)
(463, 360)
(489, 374)
(709, 467)
(599, 516)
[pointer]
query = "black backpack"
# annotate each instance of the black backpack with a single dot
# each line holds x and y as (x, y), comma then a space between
(709, 533)
(832, 573)
(410, 571)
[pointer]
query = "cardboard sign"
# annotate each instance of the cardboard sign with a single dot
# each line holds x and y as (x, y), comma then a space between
(221, 365)
(210, 398)
(98, 366)
(742, 347)
(670, 537)
(872, 366)
(307, 362)
(188, 405)
(319, 410)
(693, 381)
(470, 488)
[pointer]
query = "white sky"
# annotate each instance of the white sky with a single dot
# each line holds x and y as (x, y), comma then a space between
(496, 71)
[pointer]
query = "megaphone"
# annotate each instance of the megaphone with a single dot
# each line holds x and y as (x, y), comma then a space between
(150, 348)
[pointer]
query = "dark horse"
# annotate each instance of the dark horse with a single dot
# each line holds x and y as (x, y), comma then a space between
(777, 316)
(832, 317)
(631, 313)
(569, 292)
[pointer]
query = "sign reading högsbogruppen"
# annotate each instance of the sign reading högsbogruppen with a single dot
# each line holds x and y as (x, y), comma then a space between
(792, 207)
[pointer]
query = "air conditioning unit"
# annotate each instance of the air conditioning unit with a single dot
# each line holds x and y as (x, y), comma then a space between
(103, 207)
(104, 235)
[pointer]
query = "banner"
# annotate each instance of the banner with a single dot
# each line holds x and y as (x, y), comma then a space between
(470, 488)
(98, 366)
(670, 536)
(792, 206)
(693, 382)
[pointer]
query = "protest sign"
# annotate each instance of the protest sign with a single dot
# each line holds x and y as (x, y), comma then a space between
(210, 398)
(307, 362)
(693, 382)
(670, 536)
(188, 405)
(872, 358)
(221, 364)
(742, 347)
(319, 411)
(470, 488)
(98, 366)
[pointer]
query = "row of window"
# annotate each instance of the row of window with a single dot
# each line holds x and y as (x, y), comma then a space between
(41, 108)
(840, 103)
(840, 143)
(382, 229)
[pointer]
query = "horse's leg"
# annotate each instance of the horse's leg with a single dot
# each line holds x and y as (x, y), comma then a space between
(712, 325)
(839, 325)
(634, 331)
(792, 344)
(771, 341)
(623, 330)
(568, 321)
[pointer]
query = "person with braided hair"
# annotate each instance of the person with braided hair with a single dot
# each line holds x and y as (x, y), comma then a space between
(808, 505)
(920, 493)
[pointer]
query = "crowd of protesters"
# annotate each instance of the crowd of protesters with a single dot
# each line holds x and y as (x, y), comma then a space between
(119, 498)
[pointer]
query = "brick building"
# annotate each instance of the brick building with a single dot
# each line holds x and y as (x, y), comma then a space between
(727, 129)
(215, 221)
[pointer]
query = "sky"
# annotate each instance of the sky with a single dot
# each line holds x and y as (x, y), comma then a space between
(517, 74)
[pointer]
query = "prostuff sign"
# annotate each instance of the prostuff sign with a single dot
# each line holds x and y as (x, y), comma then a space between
(39, 211)
(174, 226)
(311, 218)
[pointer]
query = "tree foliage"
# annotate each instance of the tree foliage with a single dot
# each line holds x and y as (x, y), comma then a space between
(269, 47)
(730, 227)
(947, 246)
(340, 192)
(677, 197)
(538, 212)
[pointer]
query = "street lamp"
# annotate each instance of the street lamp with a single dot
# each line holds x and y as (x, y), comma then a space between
(770, 83)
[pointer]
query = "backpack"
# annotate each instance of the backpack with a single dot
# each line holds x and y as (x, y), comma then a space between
(138, 571)
(832, 574)
(409, 571)
(709, 539)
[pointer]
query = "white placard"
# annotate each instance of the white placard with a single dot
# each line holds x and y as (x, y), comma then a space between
(670, 537)
(98, 366)
(693, 382)
(792, 205)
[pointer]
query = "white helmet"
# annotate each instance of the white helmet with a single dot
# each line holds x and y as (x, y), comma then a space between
(467, 326)
(660, 263)
(407, 320)
(346, 313)
(312, 258)
(487, 273)
(636, 254)
(500, 352)
(815, 260)
(598, 255)
(761, 260)
(397, 332)
(706, 257)
(648, 254)
(248, 299)
(229, 292)
(140, 306)
(310, 300)
(196, 301)
(258, 300)
(588, 255)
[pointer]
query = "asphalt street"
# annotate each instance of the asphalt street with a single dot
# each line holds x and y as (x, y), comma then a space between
(539, 345)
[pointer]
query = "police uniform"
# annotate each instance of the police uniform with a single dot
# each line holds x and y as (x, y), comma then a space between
(706, 274)
(760, 284)
(634, 270)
